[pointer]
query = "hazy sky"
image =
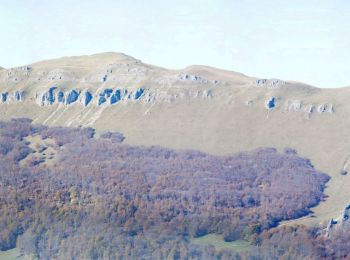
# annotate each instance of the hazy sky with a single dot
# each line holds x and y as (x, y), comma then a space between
(304, 40)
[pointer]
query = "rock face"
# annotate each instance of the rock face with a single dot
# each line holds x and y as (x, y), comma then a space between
(110, 96)
(270, 103)
(337, 223)
(295, 105)
(60, 97)
(19, 95)
(191, 78)
(116, 97)
(325, 108)
(139, 93)
(54, 96)
(46, 98)
(345, 214)
(270, 83)
(87, 98)
(4, 97)
(72, 96)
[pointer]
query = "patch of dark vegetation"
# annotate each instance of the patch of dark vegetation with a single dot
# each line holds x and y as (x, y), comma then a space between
(113, 136)
(102, 199)
(343, 172)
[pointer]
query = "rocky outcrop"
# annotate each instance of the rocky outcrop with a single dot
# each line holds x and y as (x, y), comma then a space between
(295, 105)
(270, 103)
(72, 96)
(249, 102)
(47, 98)
(104, 95)
(345, 214)
(104, 78)
(192, 78)
(52, 96)
(269, 83)
(325, 108)
(18, 95)
(116, 97)
(58, 95)
(139, 93)
(111, 96)
(337, 223)
(85, 97)
(4, 97)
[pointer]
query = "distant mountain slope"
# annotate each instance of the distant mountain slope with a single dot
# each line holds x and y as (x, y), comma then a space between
(198, 107)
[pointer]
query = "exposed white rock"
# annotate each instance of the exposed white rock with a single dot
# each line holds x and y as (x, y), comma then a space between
(309, 108)
(85, 98)
(321, 108)
(330, 109)
(194, 78)
(330, 226)
(269, 83)
(149, 97)
(249, 102)
(4, 97)
(115, 95)
(260, 82)
(18, 96)
(207, 93)
(325, 108)
(296, 105)
(270, 103)
(104, 78)
(71, 97)
(345, 214)
(25, 68)
(337, 223)
(49, 98)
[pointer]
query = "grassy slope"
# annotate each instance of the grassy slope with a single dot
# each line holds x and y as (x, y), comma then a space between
(12, 254)
(219, 243)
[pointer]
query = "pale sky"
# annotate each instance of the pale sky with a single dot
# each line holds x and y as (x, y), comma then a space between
(303, 40)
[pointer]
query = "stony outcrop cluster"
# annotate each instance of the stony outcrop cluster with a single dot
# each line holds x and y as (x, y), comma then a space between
(296, 105)
(18, 73)
(191, 78)
(111, 96)
(337, 223)
(15, 96)
(269, 83)
(270, 103)
(85, 97)
(103, 96)
(56, 96)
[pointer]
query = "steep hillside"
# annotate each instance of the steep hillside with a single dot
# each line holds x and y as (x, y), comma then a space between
(101, 199)
(212, 110)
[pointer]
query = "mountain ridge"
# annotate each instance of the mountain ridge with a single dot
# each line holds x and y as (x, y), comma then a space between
(120, 56)
(198, 107)
(106, 57)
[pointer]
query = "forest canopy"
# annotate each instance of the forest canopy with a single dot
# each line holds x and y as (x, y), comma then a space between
(102, 198)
